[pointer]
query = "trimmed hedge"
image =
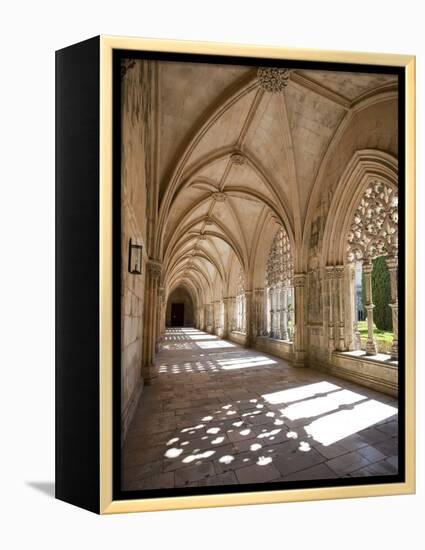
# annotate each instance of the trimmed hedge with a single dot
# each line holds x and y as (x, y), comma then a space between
(381, 293)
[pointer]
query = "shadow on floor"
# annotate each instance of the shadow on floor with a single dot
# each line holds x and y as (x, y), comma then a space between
(46, 487)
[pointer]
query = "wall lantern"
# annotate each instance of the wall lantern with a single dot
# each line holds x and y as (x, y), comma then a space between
(135, 258)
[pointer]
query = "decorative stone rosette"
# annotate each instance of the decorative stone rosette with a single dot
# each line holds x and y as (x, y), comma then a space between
(273, 79)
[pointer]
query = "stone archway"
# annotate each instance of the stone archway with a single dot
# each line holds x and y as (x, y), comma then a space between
(180, 310)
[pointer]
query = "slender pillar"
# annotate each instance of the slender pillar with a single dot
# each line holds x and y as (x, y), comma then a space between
(371, 347)
(153, 274)
(259, 312)
(339, 272)
(352, 314)
(284, 313)
(392, 264)
(248, 317)
(330, 274)
(299, 344)
(275, 313)
(271, 328)
(159, 309)
(226, 331)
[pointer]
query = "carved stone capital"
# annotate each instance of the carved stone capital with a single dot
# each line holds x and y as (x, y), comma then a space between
(299, 280)
(392, 263)
(330, 271)
(367, 267)
(339, 271)
(273, 79)
(154, 269)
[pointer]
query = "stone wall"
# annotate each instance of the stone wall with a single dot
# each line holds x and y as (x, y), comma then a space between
(238, 337)
(133, 226)
(279, 348)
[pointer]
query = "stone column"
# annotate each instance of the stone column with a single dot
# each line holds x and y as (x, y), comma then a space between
(226, 317)
(289, 310)
(275, 313)
(264, 313)
(339, 273)
(270, 332)
(392, 264)
(371, 347)
(354, 342)
(232, 310)
(259, 312)
(284, 313)
(212, 308)
(205, 320)
(299, 345)
(153, 274)
(278, 312)
(159, 309)
(248, 317)
(330, 274)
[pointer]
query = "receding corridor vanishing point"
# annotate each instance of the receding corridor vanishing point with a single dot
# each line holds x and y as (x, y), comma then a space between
(220, 414)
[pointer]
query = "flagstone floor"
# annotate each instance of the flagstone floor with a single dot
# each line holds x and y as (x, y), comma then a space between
(220, 414)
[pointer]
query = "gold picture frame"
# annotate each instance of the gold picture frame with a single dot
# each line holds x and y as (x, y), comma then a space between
(107, 504)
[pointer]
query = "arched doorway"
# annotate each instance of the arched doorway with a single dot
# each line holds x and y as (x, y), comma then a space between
(179, 309)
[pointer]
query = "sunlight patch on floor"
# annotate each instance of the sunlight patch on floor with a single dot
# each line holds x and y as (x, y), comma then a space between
(301, 392)
(341, 424)
(321, 405)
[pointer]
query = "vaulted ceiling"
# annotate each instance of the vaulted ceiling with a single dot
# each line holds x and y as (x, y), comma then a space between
(234, 157)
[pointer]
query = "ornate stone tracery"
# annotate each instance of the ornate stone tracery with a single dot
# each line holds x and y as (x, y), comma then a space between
(374, 230)
(374, 233)
(279, 281)
(280, 267)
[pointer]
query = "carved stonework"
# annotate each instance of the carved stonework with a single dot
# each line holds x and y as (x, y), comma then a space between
(339, 271)
(315, 233)
(273, 79)
(240, 288)
(374, 230)
(202, 237)
(237, 158)
(154, 269)
(280, 266)
(299, 280)
(314, 303)
(330, 272)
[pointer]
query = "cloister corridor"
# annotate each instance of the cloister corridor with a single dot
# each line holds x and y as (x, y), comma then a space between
(220, 414)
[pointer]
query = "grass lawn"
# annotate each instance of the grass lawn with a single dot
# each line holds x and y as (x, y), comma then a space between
(380, 335)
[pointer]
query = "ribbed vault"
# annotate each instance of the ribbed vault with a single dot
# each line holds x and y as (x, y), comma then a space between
(235, 160)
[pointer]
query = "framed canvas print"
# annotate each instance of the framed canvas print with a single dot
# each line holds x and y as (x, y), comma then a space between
(235, 274)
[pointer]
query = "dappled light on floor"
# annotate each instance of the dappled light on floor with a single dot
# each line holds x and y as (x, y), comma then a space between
(233, 416)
